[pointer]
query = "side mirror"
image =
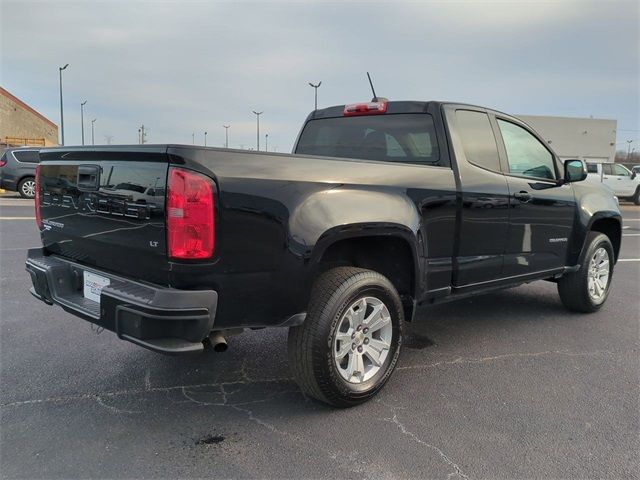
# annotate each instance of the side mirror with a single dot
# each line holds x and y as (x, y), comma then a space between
(574, 171)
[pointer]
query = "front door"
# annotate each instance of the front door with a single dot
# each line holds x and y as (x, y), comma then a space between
(618, 179)
(542, 209)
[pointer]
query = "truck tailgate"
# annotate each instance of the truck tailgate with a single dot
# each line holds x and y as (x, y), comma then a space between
(105, 208)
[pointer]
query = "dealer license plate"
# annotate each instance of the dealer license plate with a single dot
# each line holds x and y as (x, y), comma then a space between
(93, 285)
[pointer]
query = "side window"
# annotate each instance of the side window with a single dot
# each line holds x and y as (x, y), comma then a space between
(621, 171)
(525, 154)
(28, 156)
(592, 168)
(606, 169)
(477, 139)
(393, 147)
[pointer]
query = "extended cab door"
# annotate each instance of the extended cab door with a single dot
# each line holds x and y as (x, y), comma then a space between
(484, 198)
(542, 208)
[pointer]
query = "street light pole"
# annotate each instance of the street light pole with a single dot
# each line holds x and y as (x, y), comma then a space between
(205, 139)
(226, 135)
(266, 142)
(93, 141)
(82, 118)
(60, 69)
(315, 87)
(258, 129)
(629, 142)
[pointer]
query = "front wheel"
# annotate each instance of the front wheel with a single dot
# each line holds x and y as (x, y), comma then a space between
(350, 341)
(27, 187)
(587, 289)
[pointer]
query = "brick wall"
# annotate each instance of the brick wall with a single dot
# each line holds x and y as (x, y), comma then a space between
(19, 120)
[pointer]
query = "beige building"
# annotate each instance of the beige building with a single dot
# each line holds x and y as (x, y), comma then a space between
(22, 125)
(589, 139)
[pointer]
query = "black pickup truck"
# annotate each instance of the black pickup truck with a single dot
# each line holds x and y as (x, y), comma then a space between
(384, 208)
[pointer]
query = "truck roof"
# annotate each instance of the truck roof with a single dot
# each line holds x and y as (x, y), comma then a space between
(400, 106)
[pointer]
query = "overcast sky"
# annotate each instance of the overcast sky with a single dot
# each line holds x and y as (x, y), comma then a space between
(184, 67)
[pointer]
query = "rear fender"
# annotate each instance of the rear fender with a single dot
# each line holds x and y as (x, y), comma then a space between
(327, 213)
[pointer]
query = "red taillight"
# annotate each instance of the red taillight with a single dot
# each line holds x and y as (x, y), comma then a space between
(190, 215)
(369, 108)
(37, 199)
(3, 162)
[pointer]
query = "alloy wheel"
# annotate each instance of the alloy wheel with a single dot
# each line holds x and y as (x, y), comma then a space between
(362, 339)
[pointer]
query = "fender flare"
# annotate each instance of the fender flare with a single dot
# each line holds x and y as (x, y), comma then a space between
(368, 230)
(596, 217)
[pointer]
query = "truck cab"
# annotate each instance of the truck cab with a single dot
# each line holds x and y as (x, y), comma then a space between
(624, 183)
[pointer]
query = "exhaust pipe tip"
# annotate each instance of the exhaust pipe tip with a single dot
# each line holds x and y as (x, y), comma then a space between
(221, 347)
(218, 342)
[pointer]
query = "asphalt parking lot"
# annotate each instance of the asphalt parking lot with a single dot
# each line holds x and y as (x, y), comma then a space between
(509, 385)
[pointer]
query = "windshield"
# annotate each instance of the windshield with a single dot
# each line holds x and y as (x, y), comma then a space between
(407, 138)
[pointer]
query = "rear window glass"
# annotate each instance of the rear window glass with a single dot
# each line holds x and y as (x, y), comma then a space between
(407, 138)
(28, 156)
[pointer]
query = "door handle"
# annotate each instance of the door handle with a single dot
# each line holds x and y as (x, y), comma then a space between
(524, 197)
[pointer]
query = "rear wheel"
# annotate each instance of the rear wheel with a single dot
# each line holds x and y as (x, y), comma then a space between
(587, 289)
(27, 187)
(350, 341)
(636, 198)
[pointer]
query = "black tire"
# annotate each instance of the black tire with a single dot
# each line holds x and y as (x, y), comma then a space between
(311, 345)
(574, 287)
(636, 198)
(27, 187)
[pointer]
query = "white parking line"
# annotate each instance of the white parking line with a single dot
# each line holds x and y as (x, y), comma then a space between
(631, 234)
(629, 259)
(17, 218)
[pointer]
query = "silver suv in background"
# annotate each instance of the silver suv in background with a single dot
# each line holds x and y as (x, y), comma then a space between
(18, 170)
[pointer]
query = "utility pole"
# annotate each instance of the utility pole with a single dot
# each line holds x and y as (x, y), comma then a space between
(82, 118)
(142, 134)
(226, 135)
(61, 106)
(629, 142)
(92, 132)
(258, 130)
(108, 139)
(205, 139)
(266, 142)
(315, 87)
(193, 138)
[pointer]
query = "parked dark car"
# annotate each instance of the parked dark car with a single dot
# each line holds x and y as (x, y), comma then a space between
(383, 209)
(18, 171)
